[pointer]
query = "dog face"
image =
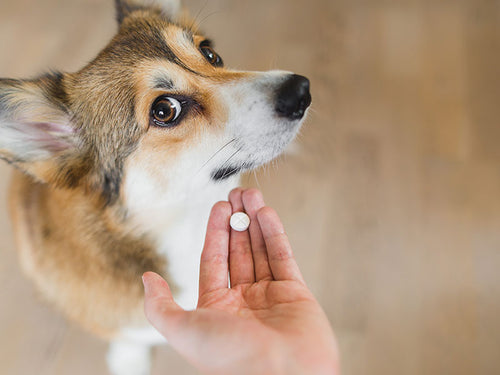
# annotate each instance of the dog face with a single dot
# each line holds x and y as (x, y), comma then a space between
(155, 111)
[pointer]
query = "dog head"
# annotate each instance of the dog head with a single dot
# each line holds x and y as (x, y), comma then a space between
(155, 109)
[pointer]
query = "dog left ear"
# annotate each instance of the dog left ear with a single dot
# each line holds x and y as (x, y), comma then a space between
(36, 131)
(169, 8)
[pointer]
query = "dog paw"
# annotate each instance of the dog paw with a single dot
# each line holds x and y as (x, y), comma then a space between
(128, 358)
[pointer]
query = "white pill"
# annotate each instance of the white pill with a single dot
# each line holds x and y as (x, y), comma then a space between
(239, 221)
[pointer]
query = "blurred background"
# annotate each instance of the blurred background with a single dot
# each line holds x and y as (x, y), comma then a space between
(391, 195)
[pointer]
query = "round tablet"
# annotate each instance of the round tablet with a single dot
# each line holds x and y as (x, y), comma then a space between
(239, 221)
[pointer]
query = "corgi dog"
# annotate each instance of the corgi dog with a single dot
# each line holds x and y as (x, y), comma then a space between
(118, 165)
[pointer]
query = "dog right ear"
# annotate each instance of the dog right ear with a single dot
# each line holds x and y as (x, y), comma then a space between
(169, 8)
(36, 132)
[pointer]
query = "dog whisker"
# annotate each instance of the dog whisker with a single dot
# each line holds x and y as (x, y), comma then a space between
(226, 163)
(215, 154)
(195, 19)
(256, 178)
(210, 15)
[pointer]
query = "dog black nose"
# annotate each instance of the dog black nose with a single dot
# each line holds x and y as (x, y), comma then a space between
(293, 97)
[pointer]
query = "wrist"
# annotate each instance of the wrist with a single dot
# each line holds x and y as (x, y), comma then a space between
(325, 363)
(320, 358)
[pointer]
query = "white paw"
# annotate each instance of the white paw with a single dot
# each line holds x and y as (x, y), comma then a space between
(129, 358)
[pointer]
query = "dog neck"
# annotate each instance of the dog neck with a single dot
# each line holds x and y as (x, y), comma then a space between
(153, 209)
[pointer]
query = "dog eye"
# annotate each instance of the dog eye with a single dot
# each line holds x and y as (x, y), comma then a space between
(165, 111)
(211, 56)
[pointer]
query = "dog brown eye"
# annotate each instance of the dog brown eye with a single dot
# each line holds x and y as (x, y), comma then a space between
(165, 111)
(211, 56)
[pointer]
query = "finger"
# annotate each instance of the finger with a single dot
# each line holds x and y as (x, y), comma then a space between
(214, 259)
(279, 252)
(159, 306)
(253, 202)
(241, 269)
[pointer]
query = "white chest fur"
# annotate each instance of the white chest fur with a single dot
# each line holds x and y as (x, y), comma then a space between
(176, 220)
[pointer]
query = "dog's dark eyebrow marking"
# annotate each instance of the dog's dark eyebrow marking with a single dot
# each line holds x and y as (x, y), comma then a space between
(145, 40)
(179, 62)
(176, 60)
(163, 83)
(170, 55)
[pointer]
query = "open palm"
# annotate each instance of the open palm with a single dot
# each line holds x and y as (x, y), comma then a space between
(255, 314)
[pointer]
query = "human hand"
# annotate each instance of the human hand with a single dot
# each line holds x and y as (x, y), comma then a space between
(266, 322)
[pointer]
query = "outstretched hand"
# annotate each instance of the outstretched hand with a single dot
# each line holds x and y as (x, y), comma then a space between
(266, 322)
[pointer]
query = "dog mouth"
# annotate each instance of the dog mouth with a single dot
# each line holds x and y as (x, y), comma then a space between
(224, 173)
(256, 140)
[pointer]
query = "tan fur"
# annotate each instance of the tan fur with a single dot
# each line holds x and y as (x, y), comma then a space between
(78, 258)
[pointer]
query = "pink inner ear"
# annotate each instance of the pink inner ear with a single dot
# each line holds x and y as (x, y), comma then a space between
(54, 128)
(51, 137)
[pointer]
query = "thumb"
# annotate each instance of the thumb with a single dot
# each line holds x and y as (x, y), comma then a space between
(159, 306)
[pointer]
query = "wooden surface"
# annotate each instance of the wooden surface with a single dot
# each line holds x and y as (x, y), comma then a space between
(391, 196)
